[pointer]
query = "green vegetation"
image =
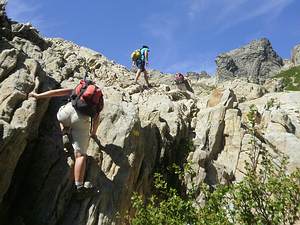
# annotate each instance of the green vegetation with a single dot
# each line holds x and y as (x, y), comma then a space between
(168, 208)
(267, 195)
(291, 78)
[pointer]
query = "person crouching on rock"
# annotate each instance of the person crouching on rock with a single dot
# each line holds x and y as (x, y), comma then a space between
(74, 118)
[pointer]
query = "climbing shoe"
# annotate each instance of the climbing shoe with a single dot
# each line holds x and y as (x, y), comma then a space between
(86, 192)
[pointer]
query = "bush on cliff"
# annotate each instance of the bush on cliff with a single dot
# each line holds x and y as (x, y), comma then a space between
(291, 79)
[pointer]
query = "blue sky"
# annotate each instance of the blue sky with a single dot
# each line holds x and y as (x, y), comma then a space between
(183, 35)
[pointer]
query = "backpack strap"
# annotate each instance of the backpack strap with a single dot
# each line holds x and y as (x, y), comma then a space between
(75, 97)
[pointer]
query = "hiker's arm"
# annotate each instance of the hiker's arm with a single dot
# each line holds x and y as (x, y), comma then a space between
(95, 124)
(52, 93)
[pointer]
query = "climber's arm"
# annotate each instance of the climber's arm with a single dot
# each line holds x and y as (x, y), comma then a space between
(52, 93)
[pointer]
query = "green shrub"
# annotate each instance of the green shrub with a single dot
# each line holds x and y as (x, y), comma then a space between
(266, 196)
(291, 78)
(172, 209)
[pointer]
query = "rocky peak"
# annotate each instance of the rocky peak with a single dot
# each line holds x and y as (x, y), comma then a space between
(254, 62)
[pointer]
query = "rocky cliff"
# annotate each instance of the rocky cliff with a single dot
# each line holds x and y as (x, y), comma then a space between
(141, 130)
(254, 62)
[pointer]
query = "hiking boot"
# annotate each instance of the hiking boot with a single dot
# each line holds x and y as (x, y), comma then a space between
(86, 192)
(88, 184)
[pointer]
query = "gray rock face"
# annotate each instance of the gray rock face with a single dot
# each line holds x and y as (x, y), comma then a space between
(27, 31)
(19, 116)
(296, 55)
(254, 62)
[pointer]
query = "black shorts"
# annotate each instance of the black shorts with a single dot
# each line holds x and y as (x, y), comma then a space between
(140, 65)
